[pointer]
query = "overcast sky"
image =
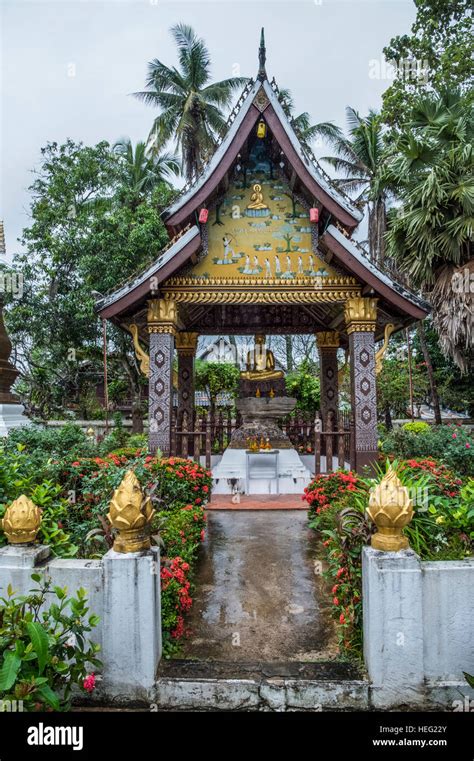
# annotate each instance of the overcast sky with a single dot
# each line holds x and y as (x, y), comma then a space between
(68, 68)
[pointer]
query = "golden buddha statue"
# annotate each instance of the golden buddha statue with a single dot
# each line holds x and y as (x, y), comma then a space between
(260, 365)
(256, 199)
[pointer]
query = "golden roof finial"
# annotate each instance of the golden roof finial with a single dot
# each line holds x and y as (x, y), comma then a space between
(130, 512)
(22, 521)
(391, 508)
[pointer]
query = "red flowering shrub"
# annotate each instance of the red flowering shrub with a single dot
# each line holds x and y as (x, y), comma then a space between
(442, 479)
(181, 481)
(327, 491)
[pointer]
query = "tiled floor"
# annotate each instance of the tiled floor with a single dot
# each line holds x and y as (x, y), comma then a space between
(258, 502)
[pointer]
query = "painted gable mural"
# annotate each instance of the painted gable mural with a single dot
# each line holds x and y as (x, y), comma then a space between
(259, 229)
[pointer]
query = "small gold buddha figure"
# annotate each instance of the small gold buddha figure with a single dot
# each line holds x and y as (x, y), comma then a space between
(260, 365)
(256, 199)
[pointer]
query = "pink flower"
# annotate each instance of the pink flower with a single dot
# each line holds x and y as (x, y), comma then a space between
(454, 436)
(89, 683)
(468, 446)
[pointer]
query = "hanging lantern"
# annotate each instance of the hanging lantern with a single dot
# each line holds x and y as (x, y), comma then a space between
(261, 129)
(203, 215)
(314, 215)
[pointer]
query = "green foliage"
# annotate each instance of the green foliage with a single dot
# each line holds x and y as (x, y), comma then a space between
(416, 426)
(44, 646)
(191, 107)
(441, 44)
(303, 384)
(215, 378)
(84, 236)
(451, 444)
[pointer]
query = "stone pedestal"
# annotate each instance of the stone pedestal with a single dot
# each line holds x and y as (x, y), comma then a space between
(260, 420)
(229, 474)
(12, 416)
(131, 621)
(393, 626)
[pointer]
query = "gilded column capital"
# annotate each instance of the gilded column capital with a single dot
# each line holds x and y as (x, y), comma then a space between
(360, 315)
(327, 339)
(186, 342)
(162, 316)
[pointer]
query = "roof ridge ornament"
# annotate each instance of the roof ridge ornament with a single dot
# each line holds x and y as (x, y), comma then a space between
(262, 57)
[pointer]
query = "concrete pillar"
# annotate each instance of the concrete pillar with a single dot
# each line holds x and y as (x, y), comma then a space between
(131, 622)
(328, 344)
(186, 343)
(360, 315)
(393, 626)
(162, 323)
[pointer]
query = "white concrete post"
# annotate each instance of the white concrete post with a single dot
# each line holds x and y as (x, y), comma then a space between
(393, 626)
(131, 621)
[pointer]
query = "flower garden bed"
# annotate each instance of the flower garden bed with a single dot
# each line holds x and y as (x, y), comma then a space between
(75, 492)
(442, 529)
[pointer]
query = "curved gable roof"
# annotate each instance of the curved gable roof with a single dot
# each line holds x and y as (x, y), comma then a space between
(226, 153)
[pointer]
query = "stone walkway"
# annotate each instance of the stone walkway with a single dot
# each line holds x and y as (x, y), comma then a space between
(259, 596)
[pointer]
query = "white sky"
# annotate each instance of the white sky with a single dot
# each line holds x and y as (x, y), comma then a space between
(319, 50)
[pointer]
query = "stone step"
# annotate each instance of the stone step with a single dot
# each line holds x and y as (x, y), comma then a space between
(293, 686)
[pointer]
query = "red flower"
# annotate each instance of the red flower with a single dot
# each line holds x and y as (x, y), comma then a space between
(454, 436)
(335, 588)
(336, 601)
(468, 446)
(340, 572)
(75, 464)
(203, 535)
(342, 619)
(89, 683)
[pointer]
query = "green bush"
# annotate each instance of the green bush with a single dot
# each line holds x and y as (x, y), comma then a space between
(44, 648)
(453, 445)
(416, 426)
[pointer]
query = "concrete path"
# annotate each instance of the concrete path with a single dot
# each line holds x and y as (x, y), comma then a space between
(259, 595)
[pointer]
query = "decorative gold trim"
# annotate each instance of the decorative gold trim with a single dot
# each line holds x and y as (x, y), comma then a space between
(327, 339)
(261, 100)
(201, 283)
(379, 355)
(258, 297)
(360, 314)
(141, 355)
(22, 521)
(186, 342)
(162, 316)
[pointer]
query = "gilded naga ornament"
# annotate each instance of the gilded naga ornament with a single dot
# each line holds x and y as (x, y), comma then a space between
(130, 512)
(22, 521)
(391, 508)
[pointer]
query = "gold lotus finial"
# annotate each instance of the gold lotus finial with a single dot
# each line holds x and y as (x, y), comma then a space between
(391, 508)
(130, 512)
(22, 521)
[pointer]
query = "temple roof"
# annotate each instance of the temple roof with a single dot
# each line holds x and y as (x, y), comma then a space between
(338, 217)
(245, 117)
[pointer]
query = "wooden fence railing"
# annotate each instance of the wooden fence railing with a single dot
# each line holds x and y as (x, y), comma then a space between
(207, 434)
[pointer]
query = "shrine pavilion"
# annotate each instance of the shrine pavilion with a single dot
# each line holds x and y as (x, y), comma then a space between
(261, 244)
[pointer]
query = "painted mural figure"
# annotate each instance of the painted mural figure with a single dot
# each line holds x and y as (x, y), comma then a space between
(257, 198)
(268, 269)
(300, 266)
(277, 265)
(227, 250)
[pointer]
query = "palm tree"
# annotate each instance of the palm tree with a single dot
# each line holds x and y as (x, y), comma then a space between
(190, 107)
(142, 173)
(430, 236)
(306, 132)
(361, 158)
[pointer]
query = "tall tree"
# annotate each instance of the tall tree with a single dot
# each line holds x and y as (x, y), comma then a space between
(143, 173)
(190, 105)
(360, 157)
(437, 54)
(82, 237)
(430, 235)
